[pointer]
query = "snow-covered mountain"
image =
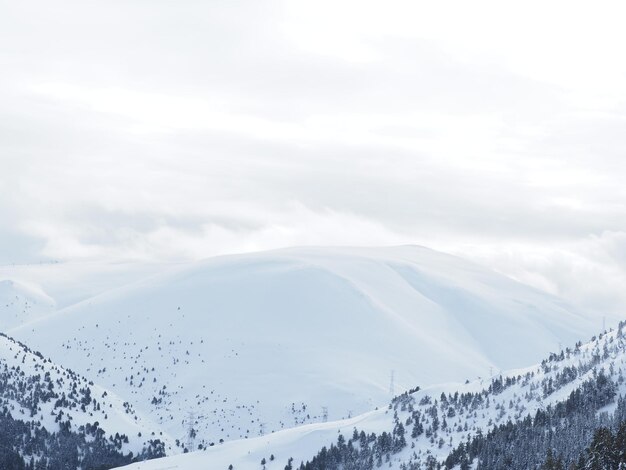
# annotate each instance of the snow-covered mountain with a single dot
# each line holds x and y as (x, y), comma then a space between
(240, 346)
(508, 421)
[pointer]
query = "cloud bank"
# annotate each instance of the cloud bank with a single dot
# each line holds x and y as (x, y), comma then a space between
(154, 130)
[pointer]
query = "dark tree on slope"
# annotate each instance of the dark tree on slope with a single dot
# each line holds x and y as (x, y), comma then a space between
(552, 463)
(602, 452)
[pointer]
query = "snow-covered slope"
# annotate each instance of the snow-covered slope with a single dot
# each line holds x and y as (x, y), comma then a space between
(240, 346)
(44, 395)
(461, 411)
(21, 303)
(70, 282)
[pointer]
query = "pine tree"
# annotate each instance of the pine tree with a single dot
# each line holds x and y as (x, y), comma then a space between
(602, 453)
(620, 444)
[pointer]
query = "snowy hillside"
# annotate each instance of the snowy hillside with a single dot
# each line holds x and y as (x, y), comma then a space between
(241, 346)
(72, 282)
(20, 303)
(47, 409)
(562, 401)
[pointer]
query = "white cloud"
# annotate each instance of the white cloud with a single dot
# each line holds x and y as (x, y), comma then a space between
(590, 271)
(160, 130)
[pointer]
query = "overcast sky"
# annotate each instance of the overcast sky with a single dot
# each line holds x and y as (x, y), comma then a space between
(170, 130)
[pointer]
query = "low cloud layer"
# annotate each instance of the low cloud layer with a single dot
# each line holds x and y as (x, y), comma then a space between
(179, 130)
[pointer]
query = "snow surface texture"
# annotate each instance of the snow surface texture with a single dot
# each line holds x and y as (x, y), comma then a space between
(20, 303)
(533, 388)
(241, 346)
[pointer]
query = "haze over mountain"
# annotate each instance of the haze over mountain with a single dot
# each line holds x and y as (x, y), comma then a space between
(175, 131)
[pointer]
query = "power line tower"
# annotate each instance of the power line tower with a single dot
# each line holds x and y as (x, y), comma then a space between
(190, 422)
(191, 432)
(391, 383)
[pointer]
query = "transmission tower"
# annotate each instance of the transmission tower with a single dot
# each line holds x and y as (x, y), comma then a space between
(191, 421)
(191, 432)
